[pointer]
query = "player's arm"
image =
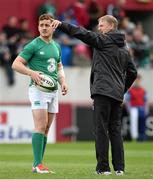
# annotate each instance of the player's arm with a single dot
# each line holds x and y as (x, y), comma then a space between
(20, 65)
(89, 37)
(61, 79)
(131, 73)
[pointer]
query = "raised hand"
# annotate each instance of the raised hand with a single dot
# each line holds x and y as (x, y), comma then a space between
(55, 23)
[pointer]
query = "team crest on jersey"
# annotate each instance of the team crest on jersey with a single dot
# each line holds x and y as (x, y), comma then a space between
(52, 65)
(42, 52)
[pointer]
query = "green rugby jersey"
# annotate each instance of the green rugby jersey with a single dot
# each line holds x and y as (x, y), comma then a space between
(42, 56)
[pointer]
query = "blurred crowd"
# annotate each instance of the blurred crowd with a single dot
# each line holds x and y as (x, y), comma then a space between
(16, 33)
(13, 36)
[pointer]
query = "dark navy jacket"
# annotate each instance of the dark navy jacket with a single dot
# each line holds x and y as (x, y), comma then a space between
(113, 70)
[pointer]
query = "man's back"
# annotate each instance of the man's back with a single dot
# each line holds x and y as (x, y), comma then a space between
(109, 66)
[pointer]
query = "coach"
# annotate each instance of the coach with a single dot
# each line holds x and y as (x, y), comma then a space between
(112, 74)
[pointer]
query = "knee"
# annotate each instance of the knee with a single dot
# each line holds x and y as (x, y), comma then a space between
(40, 129)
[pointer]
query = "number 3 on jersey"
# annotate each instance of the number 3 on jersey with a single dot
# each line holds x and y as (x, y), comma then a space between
(52, 65)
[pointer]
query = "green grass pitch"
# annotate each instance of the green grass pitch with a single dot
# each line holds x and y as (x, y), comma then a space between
(73, 161)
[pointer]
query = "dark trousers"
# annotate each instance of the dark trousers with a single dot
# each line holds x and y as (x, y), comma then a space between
(107, 123)
(142, 124)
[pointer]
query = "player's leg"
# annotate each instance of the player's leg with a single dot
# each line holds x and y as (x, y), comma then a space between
(40, 115)
(40, 120)
(51, 117)
(52, 110)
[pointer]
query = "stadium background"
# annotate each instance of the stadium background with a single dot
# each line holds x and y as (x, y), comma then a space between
(74, 122)
(27, 9)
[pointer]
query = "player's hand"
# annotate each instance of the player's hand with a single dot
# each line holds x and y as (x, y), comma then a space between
(64, 88)
(55, 24)
(35, 76)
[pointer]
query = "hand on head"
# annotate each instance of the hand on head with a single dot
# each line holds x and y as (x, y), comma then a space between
(55, 23)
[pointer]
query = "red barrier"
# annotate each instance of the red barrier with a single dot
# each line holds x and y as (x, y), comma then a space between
(28, 8)
(64, 120)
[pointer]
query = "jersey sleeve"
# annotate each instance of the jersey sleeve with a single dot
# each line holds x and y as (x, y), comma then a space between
(27, 52)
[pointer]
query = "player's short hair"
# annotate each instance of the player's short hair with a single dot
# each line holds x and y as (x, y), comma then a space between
(46, 17)
(110, 19)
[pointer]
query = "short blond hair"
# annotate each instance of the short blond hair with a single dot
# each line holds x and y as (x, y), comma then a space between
(45, 17)
(110, 19)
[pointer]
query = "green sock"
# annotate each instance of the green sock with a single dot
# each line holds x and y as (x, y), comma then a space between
(37, 145)
(44, 146)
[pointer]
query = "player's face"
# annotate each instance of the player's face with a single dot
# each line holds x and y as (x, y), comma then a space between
(104, 26)
(45, 28)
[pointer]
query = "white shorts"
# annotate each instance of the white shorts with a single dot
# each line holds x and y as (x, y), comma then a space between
(43, 100)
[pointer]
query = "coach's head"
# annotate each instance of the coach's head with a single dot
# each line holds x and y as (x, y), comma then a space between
(107, 23)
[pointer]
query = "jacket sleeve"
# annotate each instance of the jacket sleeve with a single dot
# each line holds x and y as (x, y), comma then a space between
(91, 38)
(131, 73)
